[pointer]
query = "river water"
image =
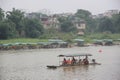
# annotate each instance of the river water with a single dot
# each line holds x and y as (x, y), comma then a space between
(31, 64)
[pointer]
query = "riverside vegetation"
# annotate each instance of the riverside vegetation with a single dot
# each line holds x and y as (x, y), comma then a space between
(15, 27)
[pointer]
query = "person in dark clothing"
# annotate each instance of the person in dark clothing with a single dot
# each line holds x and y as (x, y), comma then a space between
(73, 60)
(64, 62)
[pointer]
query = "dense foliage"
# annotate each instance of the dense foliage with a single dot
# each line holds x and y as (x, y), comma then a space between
(101, 24)
(67, 26)
(14, 24)
(17, 25)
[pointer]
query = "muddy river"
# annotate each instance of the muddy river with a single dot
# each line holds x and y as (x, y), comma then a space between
(31, 64)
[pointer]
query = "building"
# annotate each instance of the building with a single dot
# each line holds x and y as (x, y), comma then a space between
(108, 13)
(50, 22)
(47, 21)
(80, 25)
(33, 15)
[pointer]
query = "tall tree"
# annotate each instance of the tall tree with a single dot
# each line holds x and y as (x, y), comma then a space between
(7, 30)
(91, 26)
(116, 22)
(4, 31)
(17, 17)
(106, 25)
(1, 14)
(67, 26)
(33, 28)
(90, 23)
(82, 14)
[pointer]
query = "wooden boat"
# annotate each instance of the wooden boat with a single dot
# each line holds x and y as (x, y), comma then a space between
(77, 63)
(52, 67)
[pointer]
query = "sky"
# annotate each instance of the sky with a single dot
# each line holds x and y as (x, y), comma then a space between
(60, 6)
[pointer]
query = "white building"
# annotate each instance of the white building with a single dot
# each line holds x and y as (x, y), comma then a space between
(80, 25)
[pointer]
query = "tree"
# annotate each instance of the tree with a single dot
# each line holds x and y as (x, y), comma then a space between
(33, 28)
(7, 30)
(116, 22)
(4, 31)
(67, 26)
(86, 16)
(91, 26)
(82, 14)
(17, 17)
(106, 25)
(1, 14)
(62, 19)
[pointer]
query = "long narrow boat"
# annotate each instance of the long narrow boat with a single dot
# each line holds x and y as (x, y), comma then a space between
(76, 60)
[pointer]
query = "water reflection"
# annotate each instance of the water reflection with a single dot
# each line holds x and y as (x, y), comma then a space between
(79, 72)
(74, 69)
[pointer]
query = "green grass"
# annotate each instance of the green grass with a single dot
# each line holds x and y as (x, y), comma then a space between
(66, 37)
(22, 40)
(104, 36)
(89, 38)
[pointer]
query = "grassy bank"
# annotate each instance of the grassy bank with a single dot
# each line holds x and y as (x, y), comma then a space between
(66, 37)
(22, 40)
(89, 38)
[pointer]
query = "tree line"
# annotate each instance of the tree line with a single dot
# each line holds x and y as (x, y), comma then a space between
(14, 24)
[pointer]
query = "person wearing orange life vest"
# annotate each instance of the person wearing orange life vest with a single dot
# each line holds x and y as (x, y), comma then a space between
(69, 61)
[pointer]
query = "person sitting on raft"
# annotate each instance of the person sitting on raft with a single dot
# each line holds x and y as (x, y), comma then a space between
(69, 61)
(85, 61)
(73, 61)
(64, 62)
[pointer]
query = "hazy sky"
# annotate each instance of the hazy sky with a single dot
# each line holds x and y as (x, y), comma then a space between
(61, 6)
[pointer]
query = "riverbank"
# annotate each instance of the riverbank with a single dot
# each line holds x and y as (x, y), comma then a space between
(63, 42)
(49, 46)
(66, 37)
